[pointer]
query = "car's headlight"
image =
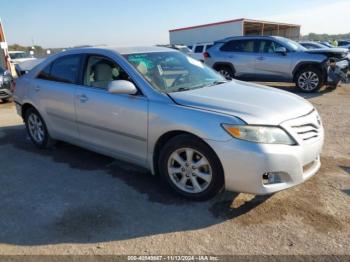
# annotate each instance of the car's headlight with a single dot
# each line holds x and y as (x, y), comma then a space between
(260, 134)
(1, 80)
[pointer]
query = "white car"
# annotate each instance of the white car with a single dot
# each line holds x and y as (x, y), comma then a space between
(199, 50)
(18, 57)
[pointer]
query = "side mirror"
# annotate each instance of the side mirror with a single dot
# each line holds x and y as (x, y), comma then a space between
(121, 87)
(281, 50)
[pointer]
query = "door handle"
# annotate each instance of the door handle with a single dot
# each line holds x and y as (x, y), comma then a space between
(37, 88)
(261, 58)
(83, 98)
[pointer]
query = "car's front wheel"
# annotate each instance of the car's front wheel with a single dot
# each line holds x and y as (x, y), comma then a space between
(309, 80)
(37, 129)
(191, 168)
(226, 72)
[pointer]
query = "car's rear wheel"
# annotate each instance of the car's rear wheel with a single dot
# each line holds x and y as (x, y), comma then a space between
(37, 129)
(191, 168)
(309, 80)
(226, 72)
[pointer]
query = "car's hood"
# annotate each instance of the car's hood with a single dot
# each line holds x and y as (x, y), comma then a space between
(254, 104)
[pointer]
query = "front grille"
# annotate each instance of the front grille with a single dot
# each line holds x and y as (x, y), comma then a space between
(307, 131)
(306, 128)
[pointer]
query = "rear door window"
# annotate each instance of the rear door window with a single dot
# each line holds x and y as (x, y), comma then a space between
(267, 46)
(246, 46)
(64, 69)
(208, 46)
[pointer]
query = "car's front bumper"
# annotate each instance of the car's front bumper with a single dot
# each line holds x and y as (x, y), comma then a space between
(245, 163)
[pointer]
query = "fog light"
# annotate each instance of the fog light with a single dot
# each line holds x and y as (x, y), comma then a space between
(272, 178)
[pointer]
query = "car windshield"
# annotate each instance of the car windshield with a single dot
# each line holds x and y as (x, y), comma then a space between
(291, 45)
(19, 55)
(2, 71)
(174, 71)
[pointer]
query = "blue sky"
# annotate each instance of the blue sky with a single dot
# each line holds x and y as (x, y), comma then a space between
(60, 23)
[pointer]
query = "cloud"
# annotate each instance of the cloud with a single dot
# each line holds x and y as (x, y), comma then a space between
(330, 18)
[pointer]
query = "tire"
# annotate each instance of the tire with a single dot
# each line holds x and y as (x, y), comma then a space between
(5, 100)
(37, 130)
(309, 79)
(204, 167)
(226, 72)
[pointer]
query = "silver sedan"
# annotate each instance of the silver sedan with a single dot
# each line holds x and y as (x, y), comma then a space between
(169, 113)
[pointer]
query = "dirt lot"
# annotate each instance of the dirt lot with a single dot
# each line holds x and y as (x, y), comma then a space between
(71, 201)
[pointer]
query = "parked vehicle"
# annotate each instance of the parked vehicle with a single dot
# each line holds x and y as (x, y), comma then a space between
(199, 50)
(175, 116)
(342, 43)
(327, 44)
(313, 45)
(346, 46)
(18, 57)
(344, 65)
(272, 58)
(6, 82)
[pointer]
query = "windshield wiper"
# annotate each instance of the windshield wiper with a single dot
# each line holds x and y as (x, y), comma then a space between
(215, 83)
(181, 89)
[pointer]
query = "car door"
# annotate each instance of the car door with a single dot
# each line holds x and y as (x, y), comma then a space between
(115, 124)
(53, 93)
(242, 55)
(271, 65)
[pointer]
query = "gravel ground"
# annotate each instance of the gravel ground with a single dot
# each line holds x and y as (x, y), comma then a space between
(71, 201)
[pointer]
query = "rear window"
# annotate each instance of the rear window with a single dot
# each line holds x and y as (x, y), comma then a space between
(238, 46)
(199, 49)
(209, 46)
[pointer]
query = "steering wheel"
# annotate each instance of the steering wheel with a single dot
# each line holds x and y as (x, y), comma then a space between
(180, 79)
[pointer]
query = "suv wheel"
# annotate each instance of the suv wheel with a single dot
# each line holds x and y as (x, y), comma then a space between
(191, 168)
(309, 80)
(226, 72)
(36, 129)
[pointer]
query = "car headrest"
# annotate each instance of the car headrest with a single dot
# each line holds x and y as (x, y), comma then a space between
(103, 72)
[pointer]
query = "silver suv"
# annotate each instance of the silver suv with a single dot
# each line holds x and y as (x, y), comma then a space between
(272, 58)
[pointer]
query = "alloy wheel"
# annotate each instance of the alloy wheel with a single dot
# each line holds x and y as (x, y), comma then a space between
(189, 170)
(36, 128)
(308, 81)
(225, 73)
